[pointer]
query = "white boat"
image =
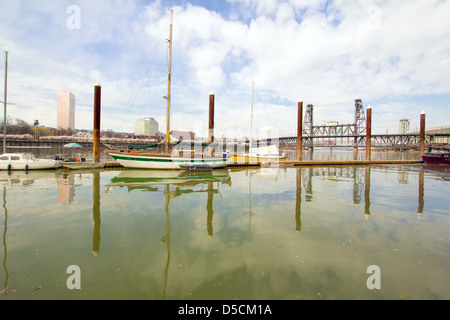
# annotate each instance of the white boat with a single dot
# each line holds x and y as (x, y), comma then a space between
(183, 155)
(260, 154)
(19, 161)
(171, 159)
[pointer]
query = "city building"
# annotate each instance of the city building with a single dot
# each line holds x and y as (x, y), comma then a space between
(66, 111)
(146, 127)
(38, 132)
(404, 126)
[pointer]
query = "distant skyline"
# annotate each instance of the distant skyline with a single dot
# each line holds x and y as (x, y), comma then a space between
(394, 55)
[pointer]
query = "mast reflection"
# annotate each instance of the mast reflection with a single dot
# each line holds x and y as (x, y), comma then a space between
(183, 182)
(209, 209)
(166, 240)
(4, 290)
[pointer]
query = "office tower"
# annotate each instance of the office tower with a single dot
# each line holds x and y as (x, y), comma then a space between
(66, 110)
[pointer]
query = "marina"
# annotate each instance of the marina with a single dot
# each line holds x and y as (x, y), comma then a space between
(237, 233)
(330, 211)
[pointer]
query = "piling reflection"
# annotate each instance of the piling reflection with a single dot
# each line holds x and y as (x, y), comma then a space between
(298, 202)
(421, 190)
(96, 213)
(367, 193)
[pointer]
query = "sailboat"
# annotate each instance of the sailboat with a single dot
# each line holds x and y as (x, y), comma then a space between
(19, 161)
(190, 154)
(260, 154)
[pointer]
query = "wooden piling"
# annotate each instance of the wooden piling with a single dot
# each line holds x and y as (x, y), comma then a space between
(369, 134)
(300, 131)
(211, 116)
(422, 133)
(97, 117)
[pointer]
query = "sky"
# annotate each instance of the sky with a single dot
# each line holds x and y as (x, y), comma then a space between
(393, 55)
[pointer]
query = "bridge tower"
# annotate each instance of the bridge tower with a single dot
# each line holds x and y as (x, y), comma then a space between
(308, 122)
(360, 118)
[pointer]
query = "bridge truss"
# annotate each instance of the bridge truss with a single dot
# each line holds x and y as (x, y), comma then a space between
(352, 135)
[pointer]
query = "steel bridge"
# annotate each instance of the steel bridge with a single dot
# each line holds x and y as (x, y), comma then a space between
(354, 135)
(386, 141)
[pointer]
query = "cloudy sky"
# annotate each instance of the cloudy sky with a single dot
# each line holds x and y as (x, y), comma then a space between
(394, 55)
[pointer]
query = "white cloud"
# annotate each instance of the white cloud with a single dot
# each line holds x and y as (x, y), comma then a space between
(327, 52)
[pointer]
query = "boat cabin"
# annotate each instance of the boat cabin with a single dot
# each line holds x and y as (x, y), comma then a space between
(198, 150)
(16, 157)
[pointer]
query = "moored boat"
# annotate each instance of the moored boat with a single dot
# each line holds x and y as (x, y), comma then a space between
(437, 155)
(260, 155)
(19, 161)
(189, 155)
(184, 154)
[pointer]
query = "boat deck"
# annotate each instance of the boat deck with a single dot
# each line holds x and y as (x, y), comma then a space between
(114, 164)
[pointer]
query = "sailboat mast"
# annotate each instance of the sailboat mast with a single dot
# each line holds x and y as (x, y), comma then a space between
(251, 120)
(5, 102)
(169, 84)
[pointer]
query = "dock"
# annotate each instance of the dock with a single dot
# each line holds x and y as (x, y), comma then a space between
(111, 164)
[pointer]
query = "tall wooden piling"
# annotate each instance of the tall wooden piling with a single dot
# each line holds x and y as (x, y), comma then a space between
(97, 117)
(422, 133)
(300, 131)
(369, 134)
(211, 116)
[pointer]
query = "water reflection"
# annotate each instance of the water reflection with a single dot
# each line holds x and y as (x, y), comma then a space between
(4, 290)
(275, 231)
(298, 202)
(175, 184)
(96, 212)
(421, 190)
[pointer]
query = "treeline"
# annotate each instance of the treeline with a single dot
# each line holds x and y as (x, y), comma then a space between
(17, 127)
(21, 127)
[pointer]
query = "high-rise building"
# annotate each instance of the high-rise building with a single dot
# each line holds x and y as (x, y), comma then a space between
(66, 110)
(404, 126)
(146, 127)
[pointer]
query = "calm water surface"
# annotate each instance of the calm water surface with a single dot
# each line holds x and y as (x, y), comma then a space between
(278, 233)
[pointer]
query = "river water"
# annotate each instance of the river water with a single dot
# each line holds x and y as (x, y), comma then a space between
(238, 233)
